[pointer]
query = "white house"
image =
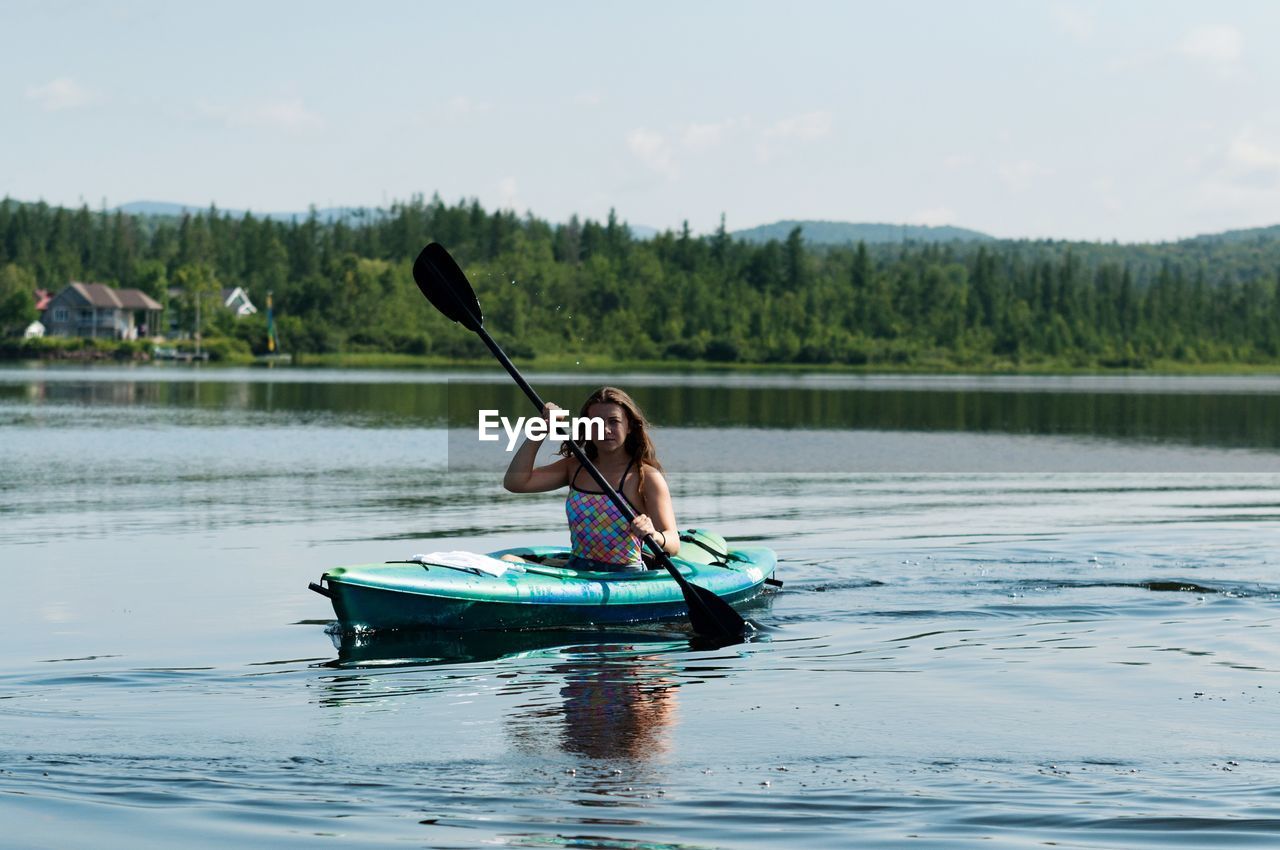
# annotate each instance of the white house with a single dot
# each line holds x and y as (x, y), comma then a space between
(237, 300)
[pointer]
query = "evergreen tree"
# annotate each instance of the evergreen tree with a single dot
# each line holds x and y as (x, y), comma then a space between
(17, 299)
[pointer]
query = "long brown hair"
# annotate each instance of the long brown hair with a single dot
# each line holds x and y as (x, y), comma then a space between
(638, 445)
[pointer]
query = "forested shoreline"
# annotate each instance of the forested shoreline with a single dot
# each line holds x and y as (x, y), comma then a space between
(590, 288)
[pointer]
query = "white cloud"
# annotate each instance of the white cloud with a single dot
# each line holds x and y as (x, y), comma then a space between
(1221, 206)
(933, 217)
(652, 148)
(508, 194)
(700, 137)
(1251, 163)
(62, 93)
(1104, 188)
(1249, 152)
(1073, 20)
(662, 153)
(57, 612)
(1238, 184)
(1019, 175)
(807, 127)
(703, 137)
(284, 114)
(1221, 46)
(463, 105)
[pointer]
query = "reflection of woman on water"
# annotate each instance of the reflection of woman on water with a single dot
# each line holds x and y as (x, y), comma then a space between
(616, 709)
(611, 708)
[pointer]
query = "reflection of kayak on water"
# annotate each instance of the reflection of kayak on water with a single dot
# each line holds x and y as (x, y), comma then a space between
(446, 591)
(423, 648)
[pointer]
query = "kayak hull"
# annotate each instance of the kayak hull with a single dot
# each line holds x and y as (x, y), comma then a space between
(433, 596)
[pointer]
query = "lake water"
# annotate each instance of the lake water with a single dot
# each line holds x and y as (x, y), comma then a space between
(1018, 611)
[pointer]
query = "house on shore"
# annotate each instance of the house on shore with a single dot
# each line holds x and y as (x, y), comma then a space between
(100, 311)
(232, 298)
(237, 301)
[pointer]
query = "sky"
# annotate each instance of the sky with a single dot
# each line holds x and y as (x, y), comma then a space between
(1143, 120)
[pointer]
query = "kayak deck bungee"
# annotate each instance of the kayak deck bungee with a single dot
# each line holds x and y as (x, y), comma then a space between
(423, 594)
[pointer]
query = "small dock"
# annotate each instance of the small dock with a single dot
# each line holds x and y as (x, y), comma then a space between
(273, 359)
(175, 355)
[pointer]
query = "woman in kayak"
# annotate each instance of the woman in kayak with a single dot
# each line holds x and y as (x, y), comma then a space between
(602, 538)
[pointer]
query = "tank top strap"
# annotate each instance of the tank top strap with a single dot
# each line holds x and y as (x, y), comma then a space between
(573, 482)
(623, 480)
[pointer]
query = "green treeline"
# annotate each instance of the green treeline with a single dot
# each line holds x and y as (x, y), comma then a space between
(589, 287)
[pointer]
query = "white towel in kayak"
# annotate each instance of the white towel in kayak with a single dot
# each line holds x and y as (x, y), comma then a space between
(472, 561)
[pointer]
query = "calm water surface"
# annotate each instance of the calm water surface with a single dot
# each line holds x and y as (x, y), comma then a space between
(986, 634)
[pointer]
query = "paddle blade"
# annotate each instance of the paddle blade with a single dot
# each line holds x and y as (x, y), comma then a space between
(447, 287)
(710, 615)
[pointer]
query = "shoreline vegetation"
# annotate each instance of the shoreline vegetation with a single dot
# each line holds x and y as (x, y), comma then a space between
(590, 293)
(226, 353)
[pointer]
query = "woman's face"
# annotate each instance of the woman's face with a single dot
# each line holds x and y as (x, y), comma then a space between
(615, 425)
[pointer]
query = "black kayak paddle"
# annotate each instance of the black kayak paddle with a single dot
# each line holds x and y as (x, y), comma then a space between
(447, 288)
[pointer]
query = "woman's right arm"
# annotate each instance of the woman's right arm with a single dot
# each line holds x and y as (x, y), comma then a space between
(523, 477)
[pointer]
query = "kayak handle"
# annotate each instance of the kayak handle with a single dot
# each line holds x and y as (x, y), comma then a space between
(320, 589)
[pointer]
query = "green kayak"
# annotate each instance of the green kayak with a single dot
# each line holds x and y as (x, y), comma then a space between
(441, 592)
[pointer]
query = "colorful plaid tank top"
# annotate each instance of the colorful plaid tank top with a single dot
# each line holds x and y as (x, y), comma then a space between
(597, 528)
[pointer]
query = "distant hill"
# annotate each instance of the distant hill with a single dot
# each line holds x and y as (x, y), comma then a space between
(816, 233)
(1247, 235)
(843, 233)
(329, 215)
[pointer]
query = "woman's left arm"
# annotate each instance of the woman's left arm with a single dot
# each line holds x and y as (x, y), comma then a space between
(660, 518)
